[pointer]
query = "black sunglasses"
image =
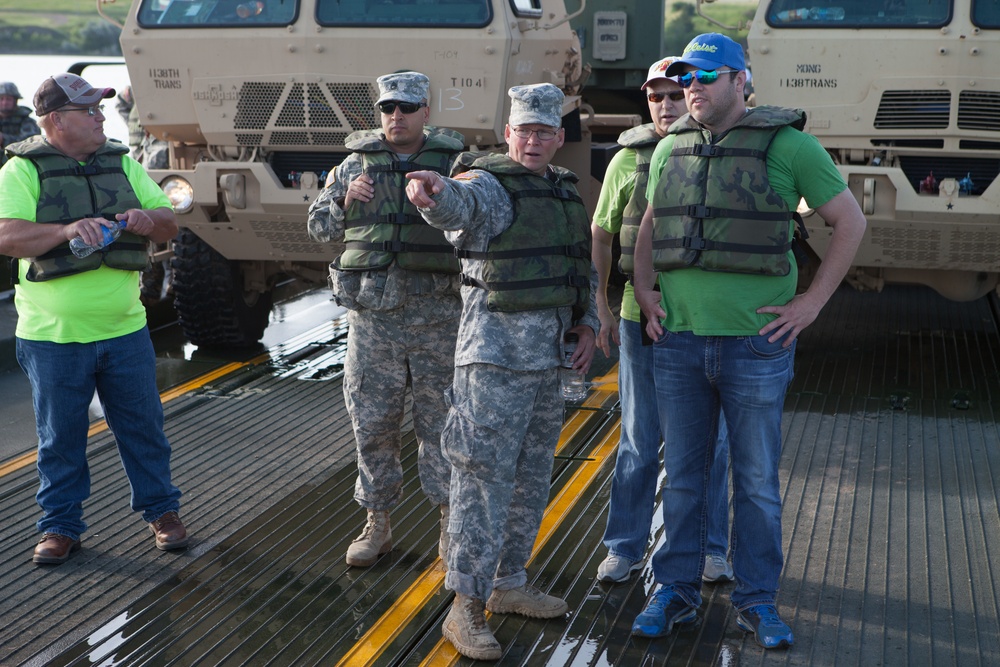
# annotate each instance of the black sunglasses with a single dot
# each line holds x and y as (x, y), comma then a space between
(656, 98)
(389, 106)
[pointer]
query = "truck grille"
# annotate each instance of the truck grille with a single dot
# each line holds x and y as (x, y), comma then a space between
(913, 110)
(302, 114)
(979, 110)
(982, 171)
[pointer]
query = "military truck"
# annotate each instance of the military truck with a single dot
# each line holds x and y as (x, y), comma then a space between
(257, 97)
(905, 95)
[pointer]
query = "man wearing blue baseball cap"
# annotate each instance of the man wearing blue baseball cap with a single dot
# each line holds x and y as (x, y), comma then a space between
(717, 237)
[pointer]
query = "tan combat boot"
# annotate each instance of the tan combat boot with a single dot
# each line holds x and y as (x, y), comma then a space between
(445, 541)
(527, 601)
(465, 627)
(374, 540)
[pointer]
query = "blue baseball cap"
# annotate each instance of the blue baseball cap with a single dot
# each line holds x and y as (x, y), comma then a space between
(709, 51)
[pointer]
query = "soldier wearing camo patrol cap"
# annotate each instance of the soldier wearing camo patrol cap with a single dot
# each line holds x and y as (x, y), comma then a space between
(635, 482)
(16, 123)
(520, 297)
(398, 277)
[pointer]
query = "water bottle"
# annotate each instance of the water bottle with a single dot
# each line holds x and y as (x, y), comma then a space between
(827, 13)
(574, 388)
(81, 249)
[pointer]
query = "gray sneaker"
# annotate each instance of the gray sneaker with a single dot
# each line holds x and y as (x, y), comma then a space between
(617, 568)
(717, 569)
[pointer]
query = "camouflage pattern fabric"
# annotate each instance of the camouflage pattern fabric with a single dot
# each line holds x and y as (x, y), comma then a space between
(386, 352)
(500, 439)
(18, 126)
(402, 329)
(642, 140)
(539, 103)
(506, 406)
(403, 87)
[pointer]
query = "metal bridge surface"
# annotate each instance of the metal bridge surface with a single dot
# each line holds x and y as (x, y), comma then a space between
(890, 517)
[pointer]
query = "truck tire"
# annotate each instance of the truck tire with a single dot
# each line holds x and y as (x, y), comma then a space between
(212, 307)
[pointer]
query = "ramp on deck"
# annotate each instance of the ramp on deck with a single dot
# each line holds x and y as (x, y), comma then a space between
(891, 513)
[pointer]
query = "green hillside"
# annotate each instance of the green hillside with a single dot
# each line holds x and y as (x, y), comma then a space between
(60, 26)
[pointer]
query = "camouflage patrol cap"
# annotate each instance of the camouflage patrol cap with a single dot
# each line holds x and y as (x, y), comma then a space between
(8, 88)
(539, 103)
(403, 87)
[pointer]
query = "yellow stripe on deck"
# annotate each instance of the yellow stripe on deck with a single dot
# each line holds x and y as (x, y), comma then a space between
(384, 631)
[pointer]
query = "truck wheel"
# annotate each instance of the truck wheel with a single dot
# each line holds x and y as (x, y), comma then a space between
(212, 307)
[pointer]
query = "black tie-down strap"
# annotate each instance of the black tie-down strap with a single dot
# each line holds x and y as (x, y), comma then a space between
(399, 218)
(572, 280)
(563, 194)
(81, 170)
(402, 166)
(699, 243)
(715, 150)
(575, 252)
(399, 246)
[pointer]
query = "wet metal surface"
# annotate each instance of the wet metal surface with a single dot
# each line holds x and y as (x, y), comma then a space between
(890, 514)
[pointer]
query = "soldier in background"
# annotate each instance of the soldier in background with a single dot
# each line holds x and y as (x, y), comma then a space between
(151, 152)
(527, 281)
(16, 123)
(399, 279)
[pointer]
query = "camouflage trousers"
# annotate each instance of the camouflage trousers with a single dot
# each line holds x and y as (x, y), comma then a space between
(500, 437)
(385, 355)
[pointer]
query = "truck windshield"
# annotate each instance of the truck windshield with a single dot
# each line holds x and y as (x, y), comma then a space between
(859, 14)
(401, 13)
(986, 14)
(217, 13)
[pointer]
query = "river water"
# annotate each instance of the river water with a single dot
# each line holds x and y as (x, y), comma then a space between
(28, 72)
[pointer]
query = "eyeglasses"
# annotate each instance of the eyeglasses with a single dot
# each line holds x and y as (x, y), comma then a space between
(656, 98)
(389, 106)
(543, 135)
(91, 111)
(704, 77)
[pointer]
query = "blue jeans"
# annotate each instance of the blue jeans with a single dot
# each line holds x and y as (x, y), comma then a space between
(747, 378)
(637, 466)
(63, 379)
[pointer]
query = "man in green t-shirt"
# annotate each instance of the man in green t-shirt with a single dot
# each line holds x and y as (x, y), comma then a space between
(717, 233)
(633, 489)
(81, 327)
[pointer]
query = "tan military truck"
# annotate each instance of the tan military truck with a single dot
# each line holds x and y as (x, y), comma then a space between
(256, 98)
(905, 94)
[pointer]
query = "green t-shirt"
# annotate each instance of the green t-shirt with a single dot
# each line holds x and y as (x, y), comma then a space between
(619, 182)
(85, 307)
(711, 303)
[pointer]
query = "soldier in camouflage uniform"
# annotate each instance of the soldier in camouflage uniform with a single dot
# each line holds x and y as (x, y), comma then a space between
(16, 123)
(399, 279)
(722, 191)
(81, 327)
(519, 300)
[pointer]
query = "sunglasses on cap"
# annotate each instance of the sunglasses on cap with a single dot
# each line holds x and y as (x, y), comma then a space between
(389, 106)
(656, 98)
(91, 111)
(704, 77)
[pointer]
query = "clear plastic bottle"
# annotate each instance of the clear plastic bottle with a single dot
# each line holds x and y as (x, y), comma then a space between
(81, 249)
(574, 387)
(826, 13)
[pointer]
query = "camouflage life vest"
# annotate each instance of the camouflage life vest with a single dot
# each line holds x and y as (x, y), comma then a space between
(543, 259)
(714, 206)
(389, 226)
(70, 191)
(642, 140)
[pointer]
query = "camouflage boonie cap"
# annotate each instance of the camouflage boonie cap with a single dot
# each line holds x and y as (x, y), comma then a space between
(403, 87)
(539, 103)
(8, 88)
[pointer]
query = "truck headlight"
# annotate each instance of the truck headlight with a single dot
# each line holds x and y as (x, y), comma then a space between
(180, 193)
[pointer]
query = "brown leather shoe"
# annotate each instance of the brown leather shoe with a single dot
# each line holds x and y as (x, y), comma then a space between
(54, 548)
(169, 531)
